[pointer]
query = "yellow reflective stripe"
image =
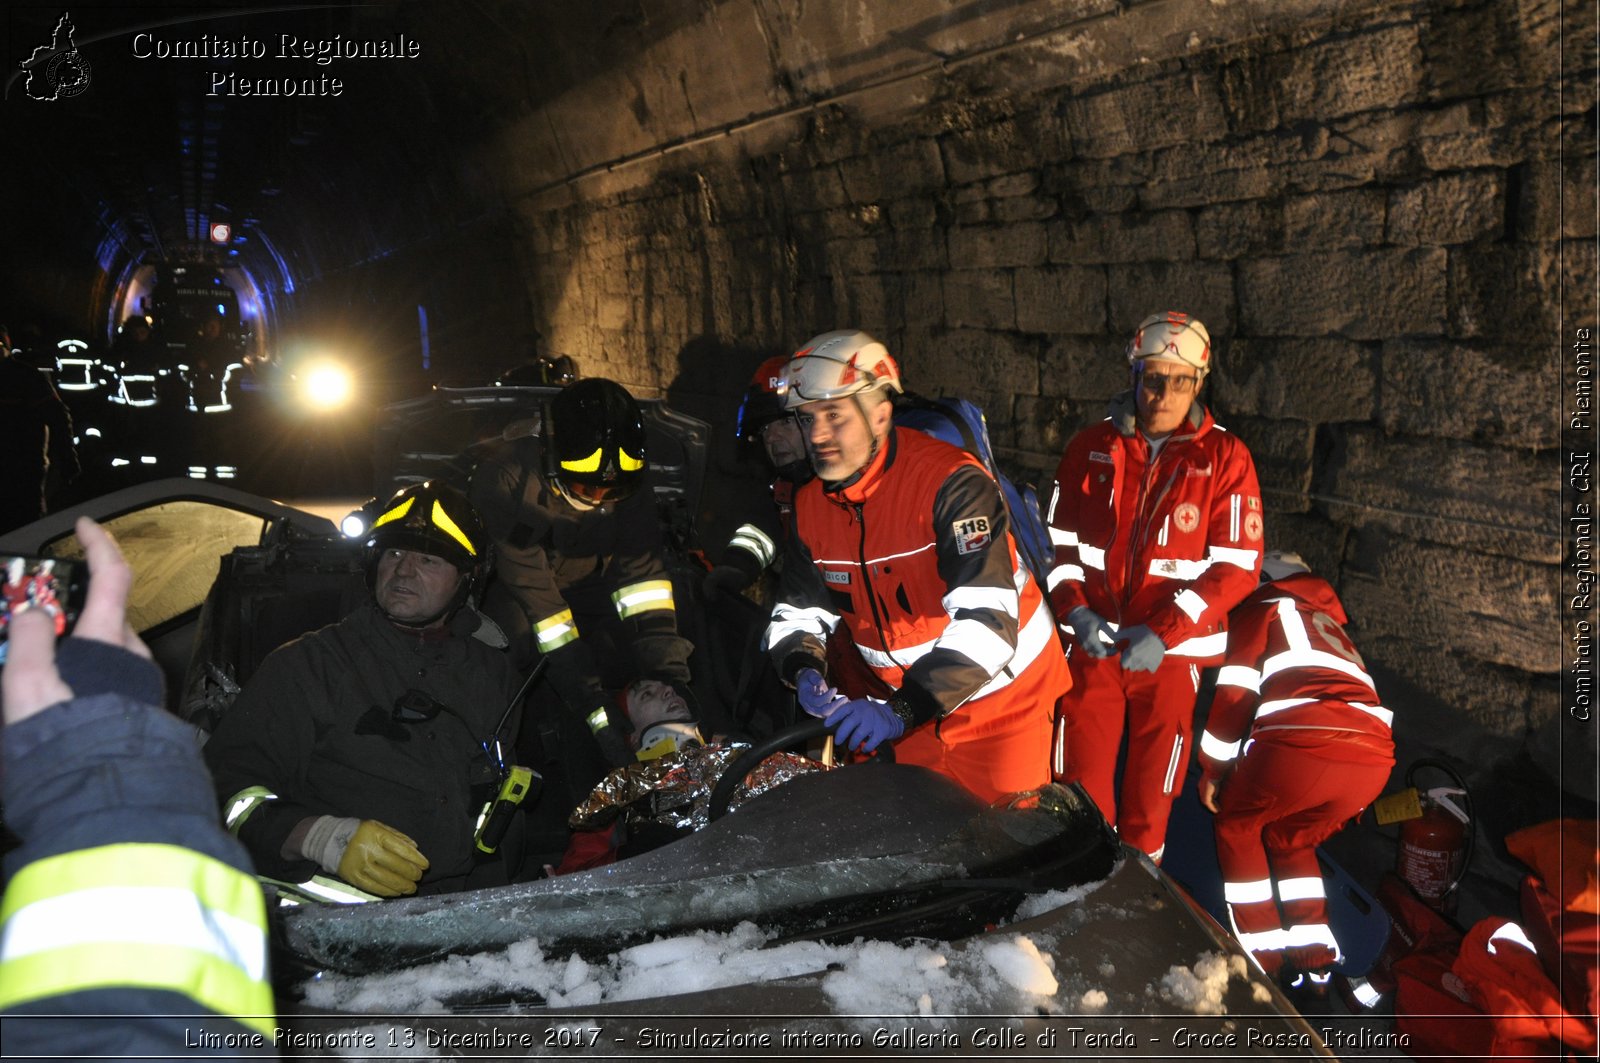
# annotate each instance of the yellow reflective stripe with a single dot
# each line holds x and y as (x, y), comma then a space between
(642, 597)
(448, 526)
(394, 514)
(216, 911)
(214, 984)
(628, 463)
(598, 720)
(589, 464)
(243, 804)
(556, 631)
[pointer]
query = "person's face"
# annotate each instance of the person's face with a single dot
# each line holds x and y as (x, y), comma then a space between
(783, 442)
(412, 586)
(839, 437)
(1163, 393)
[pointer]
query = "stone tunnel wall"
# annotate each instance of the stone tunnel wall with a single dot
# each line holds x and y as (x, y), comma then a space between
(1363, 202)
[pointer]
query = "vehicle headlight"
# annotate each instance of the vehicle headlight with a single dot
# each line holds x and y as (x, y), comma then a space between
(327, 386)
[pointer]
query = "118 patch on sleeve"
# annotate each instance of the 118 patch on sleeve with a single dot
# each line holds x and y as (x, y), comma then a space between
(972, 534)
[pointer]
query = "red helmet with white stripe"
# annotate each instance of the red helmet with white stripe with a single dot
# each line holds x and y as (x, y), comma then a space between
(1172, 336)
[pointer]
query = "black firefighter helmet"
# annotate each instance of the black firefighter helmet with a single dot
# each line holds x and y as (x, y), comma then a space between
(594, 443)
(432, 518)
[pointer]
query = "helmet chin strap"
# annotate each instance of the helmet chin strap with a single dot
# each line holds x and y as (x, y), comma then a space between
(582, 505)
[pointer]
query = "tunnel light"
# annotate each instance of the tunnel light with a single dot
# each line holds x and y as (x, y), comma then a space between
(147, 459)
(93, 432)
(327, 386)
(117, 463)
(221, 232)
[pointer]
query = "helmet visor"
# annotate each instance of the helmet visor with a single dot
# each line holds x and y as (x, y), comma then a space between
(598, 494)
(818, 378)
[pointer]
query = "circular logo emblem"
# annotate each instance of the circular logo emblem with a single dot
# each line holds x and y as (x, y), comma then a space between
(1252, 526)
(1186, 517)
(68, 74)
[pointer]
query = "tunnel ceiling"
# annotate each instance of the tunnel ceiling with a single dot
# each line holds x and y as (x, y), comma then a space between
(139, 166)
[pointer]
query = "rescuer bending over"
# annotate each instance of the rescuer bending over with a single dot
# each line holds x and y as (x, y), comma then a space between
(904, 540)
(1295, 747)
(368, 750)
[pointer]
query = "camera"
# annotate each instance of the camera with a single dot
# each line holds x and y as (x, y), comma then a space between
(53, 584)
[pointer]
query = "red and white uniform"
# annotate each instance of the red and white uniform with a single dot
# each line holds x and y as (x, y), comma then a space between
(1170, 538)
(1301, 744)
(915, 560)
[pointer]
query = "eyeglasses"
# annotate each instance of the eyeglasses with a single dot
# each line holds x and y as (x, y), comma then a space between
(1155, 383)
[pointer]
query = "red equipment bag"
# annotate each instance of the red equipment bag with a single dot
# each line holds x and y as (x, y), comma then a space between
(1492, 998)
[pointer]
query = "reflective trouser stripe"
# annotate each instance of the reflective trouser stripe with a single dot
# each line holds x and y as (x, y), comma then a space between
(642, 597)
(242, 805)
(152, 916)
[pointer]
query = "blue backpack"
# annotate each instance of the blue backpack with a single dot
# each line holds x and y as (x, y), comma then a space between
(960, 423)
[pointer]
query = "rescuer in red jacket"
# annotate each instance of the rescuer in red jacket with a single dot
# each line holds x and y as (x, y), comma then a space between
(1156, 520)
(1295, 746)
(903, 540)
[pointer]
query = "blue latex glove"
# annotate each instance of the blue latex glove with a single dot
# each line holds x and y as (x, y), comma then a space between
(865, 722)
(1144, 650)
(1094, 634)
(816, 696)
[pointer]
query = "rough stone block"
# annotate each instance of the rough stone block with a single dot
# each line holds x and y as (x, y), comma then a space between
(1453, 209)
(1143, 115)
(969, 361)
(1357, 294)
(1462, 391)
(1085, 370)
(1319, 541)
(974, 212)
(1012, 184)
(1486, 499)
(1202, 289)
(1423, 683)
(1505, 293)
(1061, 300)
(1023, 209)
(913, 214)
(1368, 70)
(904, 169)
(1233, 230)
(997, 245)
(1540, 214)
(923, 295)
(1160, 236)
(979, 298)
(970, 154)
(1492, 609)
(1485, 132)
(810, 189)
(1351, 218)
(1320, 380)
(1282, 453)
(1039, 436)
(1480, 49)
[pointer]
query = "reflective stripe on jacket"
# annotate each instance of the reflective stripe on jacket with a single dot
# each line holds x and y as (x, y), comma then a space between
(1173, 542)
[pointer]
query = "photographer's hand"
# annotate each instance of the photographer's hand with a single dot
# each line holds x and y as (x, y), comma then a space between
(30, 681)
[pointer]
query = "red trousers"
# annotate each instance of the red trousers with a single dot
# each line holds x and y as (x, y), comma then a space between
(991, 765)
(1290, 791)
(1156, 710)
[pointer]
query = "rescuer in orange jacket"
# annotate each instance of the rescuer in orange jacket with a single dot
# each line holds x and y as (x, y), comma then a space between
(1156, 520)
(1295, 746)
(903, 539)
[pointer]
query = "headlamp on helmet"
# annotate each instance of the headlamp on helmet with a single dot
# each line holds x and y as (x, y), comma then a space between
(1172, 336)
(594, 443)
(836, 365)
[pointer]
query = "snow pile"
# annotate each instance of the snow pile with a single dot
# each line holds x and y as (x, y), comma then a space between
(864, 978)
(1040, 903)
(1201, 989)
(1094, 999)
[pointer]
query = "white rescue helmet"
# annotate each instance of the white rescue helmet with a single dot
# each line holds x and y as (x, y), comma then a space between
(838, 364)
(1172, 336)
(1278, 564)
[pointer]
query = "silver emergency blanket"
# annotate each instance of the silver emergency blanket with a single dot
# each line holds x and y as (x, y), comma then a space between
(675, 790)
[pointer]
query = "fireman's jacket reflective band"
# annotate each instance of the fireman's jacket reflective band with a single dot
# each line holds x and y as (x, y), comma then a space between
(441, 520)
(625, 461)
(554, 632)
(148, 916)
(755, 542)
(642, 597)
(598, 720)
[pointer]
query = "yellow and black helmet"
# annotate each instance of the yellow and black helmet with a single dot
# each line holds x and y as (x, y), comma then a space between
(432, 518)
(594, 443)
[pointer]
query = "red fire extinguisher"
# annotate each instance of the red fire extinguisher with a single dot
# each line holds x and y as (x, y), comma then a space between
(1436, 845)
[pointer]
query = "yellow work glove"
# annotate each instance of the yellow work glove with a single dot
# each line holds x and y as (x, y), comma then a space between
(381, 860)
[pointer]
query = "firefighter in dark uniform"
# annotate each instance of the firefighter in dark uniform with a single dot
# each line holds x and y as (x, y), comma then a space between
(368, 749)
(581, 575)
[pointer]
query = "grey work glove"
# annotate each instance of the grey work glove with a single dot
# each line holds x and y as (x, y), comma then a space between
(1144, 650)
(1094, 634)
